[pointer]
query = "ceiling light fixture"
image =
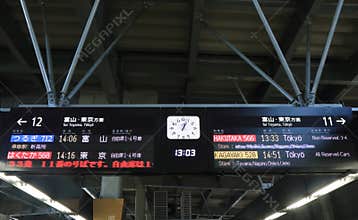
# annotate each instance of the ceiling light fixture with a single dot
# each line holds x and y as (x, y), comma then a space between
(89, 193)
(323, 191)
(275, 215)
(301, 202)
(317, 194)
(38, 194)
(77, 217)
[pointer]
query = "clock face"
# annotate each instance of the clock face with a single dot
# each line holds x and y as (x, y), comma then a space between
(183, 127)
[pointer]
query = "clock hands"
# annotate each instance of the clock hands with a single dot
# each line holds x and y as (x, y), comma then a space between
(184, 126)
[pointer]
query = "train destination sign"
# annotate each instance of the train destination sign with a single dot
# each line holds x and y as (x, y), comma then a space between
(169, 140)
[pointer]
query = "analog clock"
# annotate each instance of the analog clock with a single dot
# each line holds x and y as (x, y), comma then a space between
(183, 127)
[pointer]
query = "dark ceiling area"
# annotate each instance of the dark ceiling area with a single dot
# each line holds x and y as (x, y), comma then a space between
(166, 48)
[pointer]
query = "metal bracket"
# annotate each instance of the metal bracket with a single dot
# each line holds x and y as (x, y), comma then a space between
(264, 185)
(51, 99)
(295, 103)
(311, 98)
(64, 101)
(148, 4)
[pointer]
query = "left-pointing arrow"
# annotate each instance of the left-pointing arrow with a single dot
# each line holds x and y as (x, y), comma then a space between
(20, 121)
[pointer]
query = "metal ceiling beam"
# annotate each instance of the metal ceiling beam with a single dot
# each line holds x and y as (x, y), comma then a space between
(325, 51)
(48, 48)
(14, 37)
(80, 45)
(186, 182)
(197, 14)
(279, 52)
(292, 36)
(308, 60)
(67, 187)
(239, 90)
(17, 40)
(281, 194)
(103, 57)
(108, 77)
(251, 64)
(14, 202)
(205, 196)
(152, 61)
(346, 89)
(47, 212)
(234, 201)
(50, 95)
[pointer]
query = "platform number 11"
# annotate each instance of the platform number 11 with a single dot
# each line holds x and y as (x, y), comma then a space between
(328, 122)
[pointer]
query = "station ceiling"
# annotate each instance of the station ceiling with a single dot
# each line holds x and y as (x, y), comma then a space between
(155, 50)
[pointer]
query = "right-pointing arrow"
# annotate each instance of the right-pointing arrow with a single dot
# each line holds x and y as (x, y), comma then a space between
(341, 120)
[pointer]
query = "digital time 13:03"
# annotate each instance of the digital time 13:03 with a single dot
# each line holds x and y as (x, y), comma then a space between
(185, 153)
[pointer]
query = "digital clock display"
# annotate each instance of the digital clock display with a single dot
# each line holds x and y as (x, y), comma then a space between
(185, 152)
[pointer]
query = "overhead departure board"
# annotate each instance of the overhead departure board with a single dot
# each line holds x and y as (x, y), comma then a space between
(79, 139)
(173, 140)
(283, 139)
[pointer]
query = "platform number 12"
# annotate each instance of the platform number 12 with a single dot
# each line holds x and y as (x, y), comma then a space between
(37, 122)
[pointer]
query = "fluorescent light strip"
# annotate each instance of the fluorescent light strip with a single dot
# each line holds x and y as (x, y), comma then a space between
(89, 193)
(36, 193)
(301, 202)
(323, 191)
(275, 215)
(353, 175)
(333, 186)
(77, 217)
(319, 193)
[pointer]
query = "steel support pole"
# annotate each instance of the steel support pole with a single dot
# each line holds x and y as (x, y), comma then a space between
(250, 63)
(278, 51)
(48, 49)
(111, 187)
(4, 217)
(50, 94)
(79, 49)
(237, 201)
(140, 200)
(93, 68)
(98, 61)
(308, 61)
(326, 50)
(240, 92)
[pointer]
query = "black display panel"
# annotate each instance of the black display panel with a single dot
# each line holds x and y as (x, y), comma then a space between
(177, 140)
(68, 140)
(283, 139)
